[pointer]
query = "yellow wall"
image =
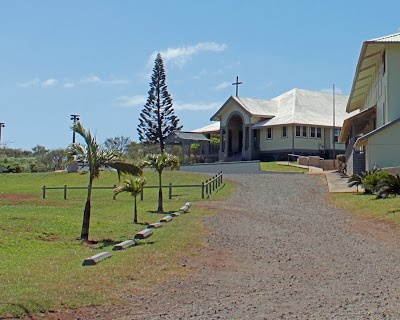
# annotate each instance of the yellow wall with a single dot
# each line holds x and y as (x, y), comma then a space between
(277, 142)
(393, 74)
(384, 148)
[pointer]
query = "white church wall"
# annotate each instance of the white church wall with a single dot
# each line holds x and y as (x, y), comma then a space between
(384, 148)
(393, 74)
(229, 109)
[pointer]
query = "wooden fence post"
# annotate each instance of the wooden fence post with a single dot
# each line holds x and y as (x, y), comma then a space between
(44, 192)
(170, 191)
(141, 194)
(202, 190)
(65, 192)
(114, 195)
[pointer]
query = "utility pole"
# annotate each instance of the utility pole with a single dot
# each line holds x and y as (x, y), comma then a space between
(334, 129)
(75, 118)
(2, 125)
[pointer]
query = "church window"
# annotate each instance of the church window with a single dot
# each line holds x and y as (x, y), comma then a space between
(312, 132)
(284, 131)
(319, 134)
(298, 132)
(337, 133)
(304, 132)
(269, 133)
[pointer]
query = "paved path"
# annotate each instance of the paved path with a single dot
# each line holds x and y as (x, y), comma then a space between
(278, 250)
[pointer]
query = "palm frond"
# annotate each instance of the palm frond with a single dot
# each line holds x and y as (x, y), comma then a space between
(161, 161)
(388, 186)
(131, 185)
(76, 151)
(125, 167)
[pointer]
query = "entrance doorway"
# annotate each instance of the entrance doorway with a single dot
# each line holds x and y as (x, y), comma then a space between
(235, 137)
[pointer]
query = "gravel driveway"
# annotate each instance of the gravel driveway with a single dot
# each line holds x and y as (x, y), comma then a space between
(278, 250)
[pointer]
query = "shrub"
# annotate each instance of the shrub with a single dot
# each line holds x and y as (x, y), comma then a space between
(389, 186)
(357, 178)
(370, 182)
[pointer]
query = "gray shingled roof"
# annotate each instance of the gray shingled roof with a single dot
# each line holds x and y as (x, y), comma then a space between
(258, 107)
(299, 106)
(213, 127)
(180, 136)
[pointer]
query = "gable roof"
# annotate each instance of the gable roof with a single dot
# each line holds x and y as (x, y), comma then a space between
(255, 107)
(367, 66)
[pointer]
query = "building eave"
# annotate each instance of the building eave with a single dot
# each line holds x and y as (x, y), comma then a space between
(217, 115)
(363, 141)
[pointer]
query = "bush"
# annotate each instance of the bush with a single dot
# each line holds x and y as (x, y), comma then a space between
(389, 186)
(370, 181)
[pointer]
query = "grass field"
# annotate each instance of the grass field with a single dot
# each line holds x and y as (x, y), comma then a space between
(273, 166)
(368, 207)
(41, 254)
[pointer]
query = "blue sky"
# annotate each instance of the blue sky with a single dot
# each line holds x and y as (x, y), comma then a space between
(94, 58)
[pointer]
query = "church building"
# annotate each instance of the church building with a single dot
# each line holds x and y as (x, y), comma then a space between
(300, 122)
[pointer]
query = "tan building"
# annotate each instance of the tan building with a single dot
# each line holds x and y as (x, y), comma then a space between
(298, 121)
(372, 136)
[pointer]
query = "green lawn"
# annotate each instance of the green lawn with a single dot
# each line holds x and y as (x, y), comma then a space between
(41, 255)
(273, 166)
(368, 207)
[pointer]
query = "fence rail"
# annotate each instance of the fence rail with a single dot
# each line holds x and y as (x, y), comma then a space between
(207, 187)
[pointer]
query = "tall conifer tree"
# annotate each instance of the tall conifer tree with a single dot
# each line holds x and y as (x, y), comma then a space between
(157, 118)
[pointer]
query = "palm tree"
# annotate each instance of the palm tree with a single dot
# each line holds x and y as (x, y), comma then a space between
(356, 179)
(96, 158)
(389, 186)
(159, 162)
(133, 186)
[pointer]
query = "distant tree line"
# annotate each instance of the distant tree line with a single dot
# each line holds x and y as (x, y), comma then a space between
(41, 159)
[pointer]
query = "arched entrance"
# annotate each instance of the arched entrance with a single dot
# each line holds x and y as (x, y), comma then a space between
(235, 137)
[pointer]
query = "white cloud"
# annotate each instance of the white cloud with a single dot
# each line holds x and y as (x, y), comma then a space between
(29, 83)
(223, 85)
(181, 55)
(197, 106)
(49, 82)
(90, 79)
(66, 83)
(69, 85)
(93, 79)
(134, 101)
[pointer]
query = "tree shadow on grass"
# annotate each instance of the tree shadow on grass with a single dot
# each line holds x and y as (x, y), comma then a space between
(142, 223)
(157, 212)
(143, 242)
(99, 244)
(20, 306)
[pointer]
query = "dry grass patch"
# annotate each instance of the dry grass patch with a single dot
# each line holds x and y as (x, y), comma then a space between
(41, 265)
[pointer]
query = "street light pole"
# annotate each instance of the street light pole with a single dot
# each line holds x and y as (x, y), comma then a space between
(75, 118)
(2, 125)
